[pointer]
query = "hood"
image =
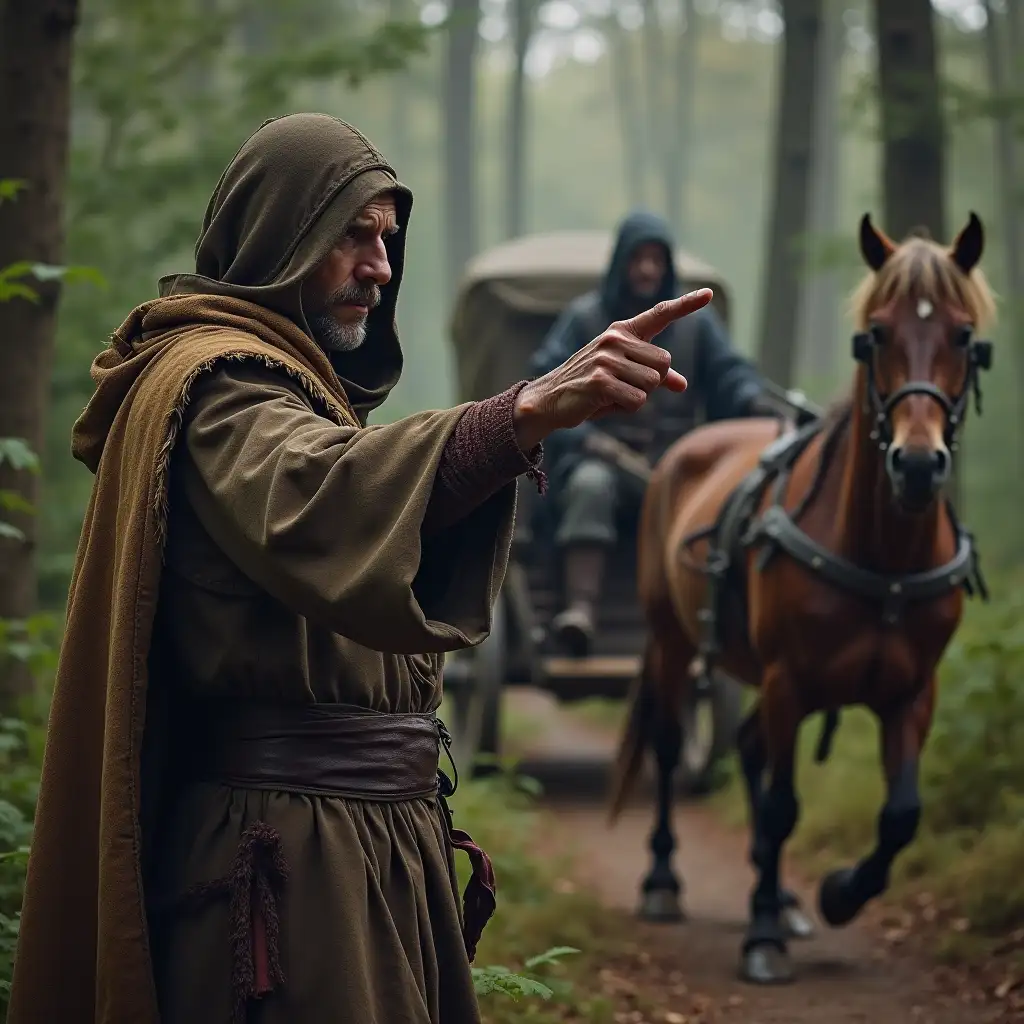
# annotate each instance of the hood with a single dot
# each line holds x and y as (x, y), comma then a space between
(639, 227)
(277, 211)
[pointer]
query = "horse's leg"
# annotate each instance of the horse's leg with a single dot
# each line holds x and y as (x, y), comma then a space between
(765, 960)
(750, 740)
(844, 892)
(660, 895)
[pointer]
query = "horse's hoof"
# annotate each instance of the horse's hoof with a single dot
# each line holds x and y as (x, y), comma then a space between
(661, 905)
(766, 963)
(796, 924)
(836, 906)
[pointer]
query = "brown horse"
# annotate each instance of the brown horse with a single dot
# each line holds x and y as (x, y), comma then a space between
(822, 566)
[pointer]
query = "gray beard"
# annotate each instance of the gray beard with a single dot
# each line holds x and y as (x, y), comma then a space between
(332, 336)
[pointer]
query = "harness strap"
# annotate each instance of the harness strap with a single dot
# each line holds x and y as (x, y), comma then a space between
(892, 592)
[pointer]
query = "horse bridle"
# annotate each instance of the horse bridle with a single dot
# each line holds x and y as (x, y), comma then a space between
(881, 406)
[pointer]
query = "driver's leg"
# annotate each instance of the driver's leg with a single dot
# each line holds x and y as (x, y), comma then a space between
(586, 532)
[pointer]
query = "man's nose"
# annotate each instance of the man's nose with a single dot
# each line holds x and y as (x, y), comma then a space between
(375, 268)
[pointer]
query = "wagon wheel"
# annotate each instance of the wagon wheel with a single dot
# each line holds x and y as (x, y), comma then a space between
(459, 708)
(710, 721)
(490, 663)
(473, 681)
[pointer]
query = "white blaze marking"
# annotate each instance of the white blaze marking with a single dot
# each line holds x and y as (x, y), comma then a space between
(924, 309)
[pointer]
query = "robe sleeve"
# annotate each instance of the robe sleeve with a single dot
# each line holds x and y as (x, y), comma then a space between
(480, 458)
(328, 519)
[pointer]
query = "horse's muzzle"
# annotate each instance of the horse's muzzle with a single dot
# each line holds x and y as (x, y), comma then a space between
(917, 474)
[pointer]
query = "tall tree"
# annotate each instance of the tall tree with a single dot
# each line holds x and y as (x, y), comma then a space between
(628, 108)
(399, 95)
(913, 129)
(655, 131)
(523, 12)
(35, 88)
(681, 120)
(819, 306)
(460, 136)
(794, 129)
(1002, 51)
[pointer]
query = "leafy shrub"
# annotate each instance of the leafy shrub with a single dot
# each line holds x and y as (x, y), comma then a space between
(974, 769)
(20, 754)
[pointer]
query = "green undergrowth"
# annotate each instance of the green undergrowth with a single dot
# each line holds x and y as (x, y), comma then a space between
(962, 875)
(603, 712)
(539, 911)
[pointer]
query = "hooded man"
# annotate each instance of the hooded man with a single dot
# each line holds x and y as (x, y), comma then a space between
(241, 814)
(592, 486)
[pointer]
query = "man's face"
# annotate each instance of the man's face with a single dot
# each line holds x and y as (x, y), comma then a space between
(647, 268)
(339, 294)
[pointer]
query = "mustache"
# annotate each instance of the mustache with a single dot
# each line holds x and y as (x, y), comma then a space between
(356, 295)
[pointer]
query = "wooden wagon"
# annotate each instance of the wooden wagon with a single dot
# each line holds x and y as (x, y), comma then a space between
(509, 298)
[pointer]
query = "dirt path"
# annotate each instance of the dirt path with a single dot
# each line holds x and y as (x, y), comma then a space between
(843, 977)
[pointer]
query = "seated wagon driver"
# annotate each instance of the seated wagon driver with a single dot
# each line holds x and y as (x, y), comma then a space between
(593, 485)
(240, 815)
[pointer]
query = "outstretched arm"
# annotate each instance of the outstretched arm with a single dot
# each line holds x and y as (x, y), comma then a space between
(481, 457)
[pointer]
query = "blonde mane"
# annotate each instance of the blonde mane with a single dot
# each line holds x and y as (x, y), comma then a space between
(920, 268)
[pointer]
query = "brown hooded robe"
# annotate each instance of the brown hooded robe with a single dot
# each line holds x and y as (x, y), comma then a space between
(249, 538)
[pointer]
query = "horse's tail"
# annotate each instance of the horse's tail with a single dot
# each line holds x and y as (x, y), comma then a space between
(642, 703)
(828, 731)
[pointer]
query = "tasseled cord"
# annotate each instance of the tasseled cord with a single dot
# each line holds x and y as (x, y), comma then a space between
(253, 888)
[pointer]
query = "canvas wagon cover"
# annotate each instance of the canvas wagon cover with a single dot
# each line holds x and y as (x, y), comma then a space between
(511, 294)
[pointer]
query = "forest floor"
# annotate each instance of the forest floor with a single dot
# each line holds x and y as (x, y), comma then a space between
(876, 970)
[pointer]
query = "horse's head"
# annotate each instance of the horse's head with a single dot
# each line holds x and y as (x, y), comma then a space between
(917, 313)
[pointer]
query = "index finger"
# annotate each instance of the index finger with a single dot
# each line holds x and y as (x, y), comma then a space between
(651, 322)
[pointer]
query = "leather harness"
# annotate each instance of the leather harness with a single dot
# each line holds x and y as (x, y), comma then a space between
(739, 528)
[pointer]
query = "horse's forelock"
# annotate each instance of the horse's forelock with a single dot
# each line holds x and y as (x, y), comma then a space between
(921, 268)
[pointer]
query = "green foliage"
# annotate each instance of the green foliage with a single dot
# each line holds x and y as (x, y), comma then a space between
(534, 911)
(10, 187)
(490, 980)
(20, 753)
(16, 454)
(975, 768)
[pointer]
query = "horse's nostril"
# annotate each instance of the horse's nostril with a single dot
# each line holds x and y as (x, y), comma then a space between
(940, 463)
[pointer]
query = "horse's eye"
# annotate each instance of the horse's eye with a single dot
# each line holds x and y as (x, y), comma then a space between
(878, 333)
(962, 336)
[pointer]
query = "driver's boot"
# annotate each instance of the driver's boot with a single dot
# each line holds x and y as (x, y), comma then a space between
(584, 572)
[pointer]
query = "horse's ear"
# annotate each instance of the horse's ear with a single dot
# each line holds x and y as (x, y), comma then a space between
(968, 246)
(875, 246)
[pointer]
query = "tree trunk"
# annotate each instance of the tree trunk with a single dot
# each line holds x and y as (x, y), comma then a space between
(629, 112)
(819, 308)
(654, 140)
(35, 87)
(789, 205)
(680, 124)
(459, 137)
(913, 131)
(1004, 78)
(515, 196)
(399, 95)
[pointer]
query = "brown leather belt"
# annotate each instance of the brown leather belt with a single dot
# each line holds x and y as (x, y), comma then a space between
(326, 750)
(322, 749)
